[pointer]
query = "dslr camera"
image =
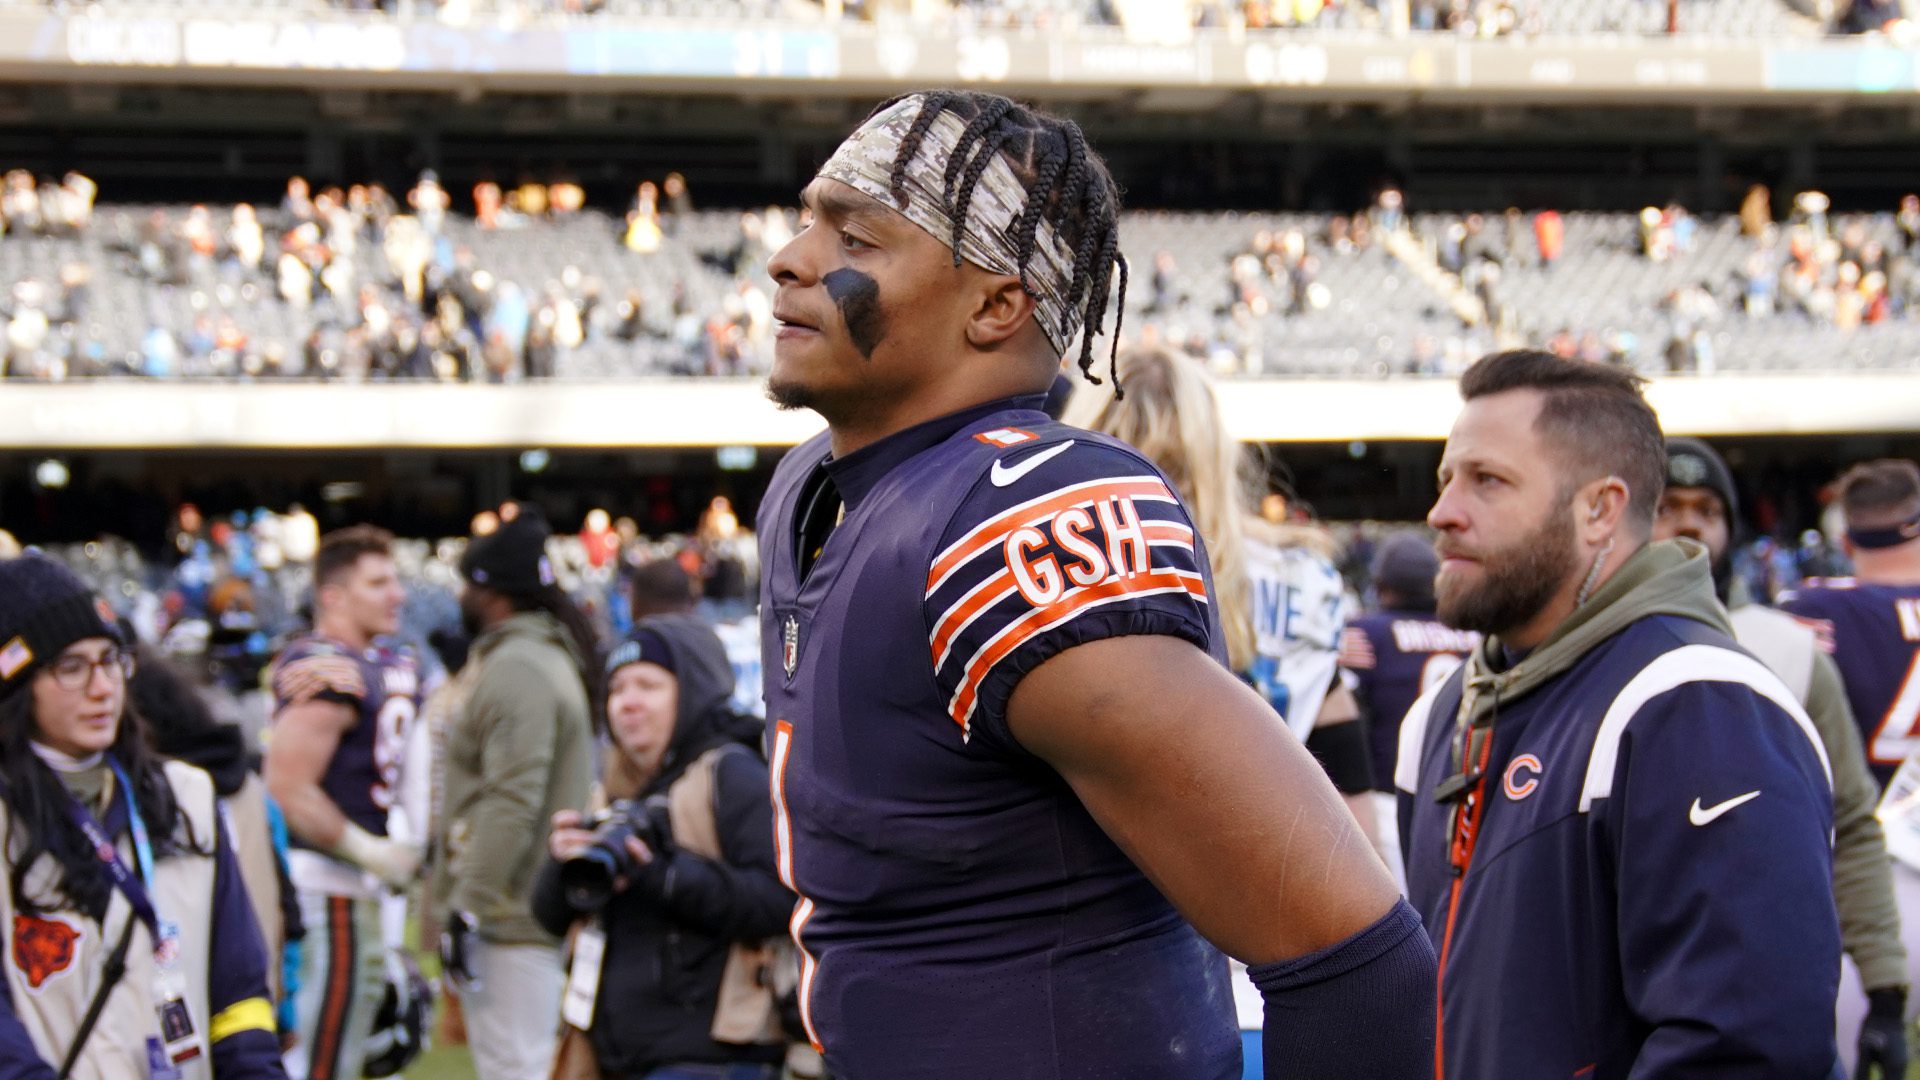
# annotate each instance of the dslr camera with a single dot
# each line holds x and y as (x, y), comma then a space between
(588, 878)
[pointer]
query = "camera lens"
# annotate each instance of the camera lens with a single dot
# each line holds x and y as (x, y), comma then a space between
(587, 879)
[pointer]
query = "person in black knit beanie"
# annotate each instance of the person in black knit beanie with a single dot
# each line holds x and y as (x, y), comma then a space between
(92, 812)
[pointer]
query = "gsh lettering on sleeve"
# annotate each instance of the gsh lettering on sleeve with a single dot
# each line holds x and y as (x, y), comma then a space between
(1035, 553)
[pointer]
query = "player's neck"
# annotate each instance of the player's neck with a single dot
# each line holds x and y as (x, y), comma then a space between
(850, 434)
(343, 632)
(1889, 566)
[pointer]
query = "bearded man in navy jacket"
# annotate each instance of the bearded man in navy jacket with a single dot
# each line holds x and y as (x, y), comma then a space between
(1616, 821)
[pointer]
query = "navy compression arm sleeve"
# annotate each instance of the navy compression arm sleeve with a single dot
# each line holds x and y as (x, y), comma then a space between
(1343, 752)
(1360, 1007)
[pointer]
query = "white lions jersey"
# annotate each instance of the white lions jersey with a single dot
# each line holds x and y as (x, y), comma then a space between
(742, 642)
(1299, 608)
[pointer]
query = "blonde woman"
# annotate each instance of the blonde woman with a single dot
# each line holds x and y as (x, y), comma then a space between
(1282, 600)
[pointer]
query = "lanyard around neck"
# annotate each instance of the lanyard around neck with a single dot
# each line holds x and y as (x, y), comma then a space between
(130, 884)
(142, 846)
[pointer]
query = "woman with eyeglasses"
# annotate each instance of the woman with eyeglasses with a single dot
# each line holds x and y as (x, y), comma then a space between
(131, 949)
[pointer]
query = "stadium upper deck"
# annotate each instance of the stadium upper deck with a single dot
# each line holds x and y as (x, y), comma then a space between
(1470, 103)
(361, 286)
(1626, 49)
(1167, 18)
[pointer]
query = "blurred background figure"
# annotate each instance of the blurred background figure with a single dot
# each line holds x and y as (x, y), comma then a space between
(517, 750)
(1395, 651)
(344, 704)
(674, 856)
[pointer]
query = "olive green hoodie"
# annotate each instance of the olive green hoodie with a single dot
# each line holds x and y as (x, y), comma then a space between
(1670, 577)
(518, 748)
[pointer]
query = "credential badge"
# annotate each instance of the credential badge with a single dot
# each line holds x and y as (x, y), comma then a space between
(790, 644)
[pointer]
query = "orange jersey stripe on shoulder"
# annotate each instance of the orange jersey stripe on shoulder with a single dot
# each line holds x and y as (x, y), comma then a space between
(1356, 652)
(988, 593)
(1042, 619)
(1000, 586)
(996, 529)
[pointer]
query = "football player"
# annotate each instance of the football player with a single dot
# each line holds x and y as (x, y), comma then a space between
(1871, 621)
(343, 706)
(1020, 795)
(1871, 624)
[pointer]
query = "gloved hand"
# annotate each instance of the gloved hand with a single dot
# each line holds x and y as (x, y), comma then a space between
(394, 863)
(456, 951)
(655, 854)
(1883, 1035)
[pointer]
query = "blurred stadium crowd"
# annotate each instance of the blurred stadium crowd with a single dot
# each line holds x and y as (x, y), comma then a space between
(528, 281)
(228, 592)
(1160, 18)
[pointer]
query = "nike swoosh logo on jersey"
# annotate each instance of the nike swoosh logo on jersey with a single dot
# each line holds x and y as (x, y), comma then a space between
(1706, 815)
(1002, 475)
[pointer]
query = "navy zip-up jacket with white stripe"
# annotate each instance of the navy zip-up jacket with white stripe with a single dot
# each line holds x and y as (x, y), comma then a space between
(1648, 892)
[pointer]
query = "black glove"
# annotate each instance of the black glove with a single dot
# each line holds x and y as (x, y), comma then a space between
(657, 832)
(653, 826)
(1883, 1035)
(456, 950)
(651, 881)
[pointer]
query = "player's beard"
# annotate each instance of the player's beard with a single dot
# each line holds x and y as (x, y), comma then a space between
(790, 395)
(837, 404)
(1516, 582)
(864, 322)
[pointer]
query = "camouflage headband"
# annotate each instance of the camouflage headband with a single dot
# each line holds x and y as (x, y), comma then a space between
(865, 162)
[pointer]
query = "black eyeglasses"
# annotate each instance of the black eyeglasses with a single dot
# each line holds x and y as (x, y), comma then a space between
(76, 672)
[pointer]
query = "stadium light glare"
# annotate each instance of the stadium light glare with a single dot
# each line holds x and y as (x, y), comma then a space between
(736, 458)
(51, 474)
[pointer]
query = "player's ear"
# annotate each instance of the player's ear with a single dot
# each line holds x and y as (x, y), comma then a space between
(1002, 310)
(1601, 507)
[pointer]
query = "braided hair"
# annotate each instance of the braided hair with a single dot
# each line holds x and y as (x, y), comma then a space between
(1067, 187)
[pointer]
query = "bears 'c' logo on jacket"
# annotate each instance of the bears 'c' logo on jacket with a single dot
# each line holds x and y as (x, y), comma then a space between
(42, 948)
(1522, 778)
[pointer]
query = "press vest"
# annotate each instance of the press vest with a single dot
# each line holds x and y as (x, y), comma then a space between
(54, 961)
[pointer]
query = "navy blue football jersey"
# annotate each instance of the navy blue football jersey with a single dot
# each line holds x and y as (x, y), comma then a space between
(1395, 656)
(382, 686)
(961, 913)
(1873, 632)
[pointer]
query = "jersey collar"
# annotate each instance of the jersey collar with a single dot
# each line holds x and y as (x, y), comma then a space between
(858, 472)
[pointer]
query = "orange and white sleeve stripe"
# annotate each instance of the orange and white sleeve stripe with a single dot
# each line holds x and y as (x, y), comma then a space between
(1042, 619)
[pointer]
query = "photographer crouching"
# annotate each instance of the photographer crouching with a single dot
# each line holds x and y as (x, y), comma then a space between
(670, 888)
